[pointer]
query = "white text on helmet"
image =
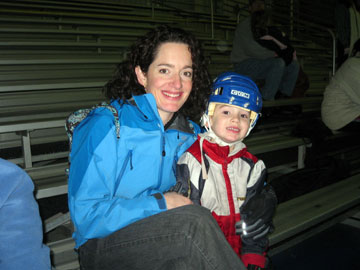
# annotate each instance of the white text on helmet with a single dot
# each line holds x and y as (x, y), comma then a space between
(240, 94)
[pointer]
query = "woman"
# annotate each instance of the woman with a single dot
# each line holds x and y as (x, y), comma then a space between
(271, 37)
(123, 160)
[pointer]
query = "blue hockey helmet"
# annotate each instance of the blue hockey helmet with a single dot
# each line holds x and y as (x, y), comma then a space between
(237, 90)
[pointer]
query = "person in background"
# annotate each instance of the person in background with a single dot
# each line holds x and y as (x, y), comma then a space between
(340, 108)
(21, 234)
(219, 173)
(259, 63)
(123, 159)
(347, 27)
(271, 37)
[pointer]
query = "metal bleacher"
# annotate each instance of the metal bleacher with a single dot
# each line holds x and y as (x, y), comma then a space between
(55, 57)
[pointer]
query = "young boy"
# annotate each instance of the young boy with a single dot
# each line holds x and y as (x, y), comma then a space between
(219, 173)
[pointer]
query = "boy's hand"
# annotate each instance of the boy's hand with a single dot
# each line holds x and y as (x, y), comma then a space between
(180, 188)
(256, 215)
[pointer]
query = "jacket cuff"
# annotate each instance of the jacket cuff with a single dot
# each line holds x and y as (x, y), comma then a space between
(160, 200)
(253, 258)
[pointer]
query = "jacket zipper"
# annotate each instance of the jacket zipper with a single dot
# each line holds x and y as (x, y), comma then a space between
(126, 161)
(163, 153)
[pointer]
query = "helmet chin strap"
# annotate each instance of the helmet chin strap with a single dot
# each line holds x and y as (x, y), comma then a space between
(212, 137)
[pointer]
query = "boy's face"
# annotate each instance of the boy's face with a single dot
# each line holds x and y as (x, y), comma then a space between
(230, 123)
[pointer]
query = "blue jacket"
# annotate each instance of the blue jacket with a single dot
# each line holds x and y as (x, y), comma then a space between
(21, 235)
(113, 181)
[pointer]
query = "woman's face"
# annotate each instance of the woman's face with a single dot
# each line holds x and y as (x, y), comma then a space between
(257, 5)
(169, 78)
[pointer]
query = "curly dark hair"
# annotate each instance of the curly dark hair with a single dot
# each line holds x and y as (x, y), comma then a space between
(124, 83)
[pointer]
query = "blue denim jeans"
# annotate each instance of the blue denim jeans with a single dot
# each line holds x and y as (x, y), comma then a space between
(277, 76)
(183, 238)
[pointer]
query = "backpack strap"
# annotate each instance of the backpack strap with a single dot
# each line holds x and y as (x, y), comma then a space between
(75, 118)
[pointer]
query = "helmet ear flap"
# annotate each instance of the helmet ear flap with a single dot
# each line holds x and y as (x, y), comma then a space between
(253, 119)
(211, 108)
(254, 116)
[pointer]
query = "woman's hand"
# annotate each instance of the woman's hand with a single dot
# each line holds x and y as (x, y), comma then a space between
(280, 44)
(267, 37)
(174, 200)
(294, 55)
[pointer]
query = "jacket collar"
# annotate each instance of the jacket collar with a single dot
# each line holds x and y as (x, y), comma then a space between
(221, 154)
(179, 122)
(147, 106)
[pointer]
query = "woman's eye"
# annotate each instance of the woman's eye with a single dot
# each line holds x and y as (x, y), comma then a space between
(163, 71)
(188, 74)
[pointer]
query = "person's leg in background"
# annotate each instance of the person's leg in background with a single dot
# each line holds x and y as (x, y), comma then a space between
(182, 238)
(289, 78)
(270, 69)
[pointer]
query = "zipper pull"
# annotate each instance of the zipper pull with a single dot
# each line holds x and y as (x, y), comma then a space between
(163, 146)
(131, 165)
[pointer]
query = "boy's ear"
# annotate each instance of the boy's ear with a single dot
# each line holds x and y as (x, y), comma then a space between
(140, 76)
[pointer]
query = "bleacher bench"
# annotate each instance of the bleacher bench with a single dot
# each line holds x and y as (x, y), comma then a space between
(304, 216)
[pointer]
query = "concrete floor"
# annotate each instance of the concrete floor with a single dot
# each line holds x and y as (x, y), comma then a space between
(337, 248)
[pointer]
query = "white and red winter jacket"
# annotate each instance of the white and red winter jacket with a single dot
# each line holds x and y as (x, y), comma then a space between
(231, 177)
